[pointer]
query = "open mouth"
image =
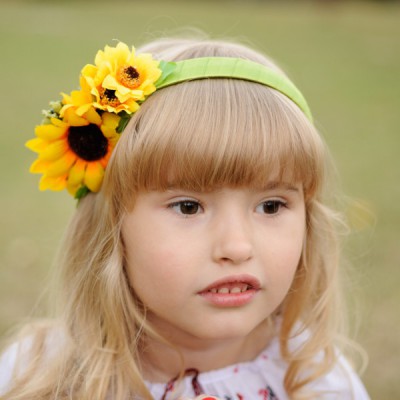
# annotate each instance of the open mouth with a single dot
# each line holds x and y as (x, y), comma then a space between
(231, 288)
(233, 291)
(233, 284)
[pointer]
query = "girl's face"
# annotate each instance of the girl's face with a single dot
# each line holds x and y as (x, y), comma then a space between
(213, 265)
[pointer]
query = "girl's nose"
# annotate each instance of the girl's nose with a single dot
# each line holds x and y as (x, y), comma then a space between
(232, 242)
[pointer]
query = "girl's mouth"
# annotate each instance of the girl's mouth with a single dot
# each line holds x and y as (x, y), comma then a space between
(234, 291)
(231, 288)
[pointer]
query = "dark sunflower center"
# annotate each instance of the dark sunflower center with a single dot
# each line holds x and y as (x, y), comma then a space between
(128, 76)
(87, 142)
(131, 72)
(110, 95)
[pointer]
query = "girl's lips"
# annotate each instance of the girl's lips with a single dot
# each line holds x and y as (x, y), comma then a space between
(233, 291)
(234, 281)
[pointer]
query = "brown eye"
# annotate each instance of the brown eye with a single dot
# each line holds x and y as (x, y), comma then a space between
(271, 207)
(186, 207)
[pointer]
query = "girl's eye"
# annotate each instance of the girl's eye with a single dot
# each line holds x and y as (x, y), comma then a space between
(270, 207)
(186, 207)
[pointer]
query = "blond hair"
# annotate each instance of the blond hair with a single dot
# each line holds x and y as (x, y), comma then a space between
(209, 133)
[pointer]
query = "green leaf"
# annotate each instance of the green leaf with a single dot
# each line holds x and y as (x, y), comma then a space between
(167, 68)
(123, 122)
(81, 192)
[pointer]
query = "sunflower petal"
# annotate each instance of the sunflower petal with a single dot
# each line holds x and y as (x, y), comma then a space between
(66, 98)
(132, 106)
(61, 166)
(93, 117)
(73, 119)
(59, 123)
(50, 132)
(57, 184)
(94, 176)
(111, 120)
(110, 82)
(89, 70)
(54, 150)
(83, 84)
(110, 125)
(108, 132)
(77, 173)
(80, 97)
(39, 167)
(36, 145)
(83, 109)
(133, 94)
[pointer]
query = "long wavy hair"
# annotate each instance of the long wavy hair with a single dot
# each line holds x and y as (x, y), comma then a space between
(209, 132)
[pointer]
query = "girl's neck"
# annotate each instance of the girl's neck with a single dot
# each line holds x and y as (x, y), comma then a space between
(162, 362)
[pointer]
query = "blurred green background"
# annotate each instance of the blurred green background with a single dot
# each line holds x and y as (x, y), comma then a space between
(345, 56)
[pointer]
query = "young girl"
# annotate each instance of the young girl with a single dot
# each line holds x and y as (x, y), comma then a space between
(201, 259)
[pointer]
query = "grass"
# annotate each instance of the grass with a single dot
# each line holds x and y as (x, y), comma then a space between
(344, 56)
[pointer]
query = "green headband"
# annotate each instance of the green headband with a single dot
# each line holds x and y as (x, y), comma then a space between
(235, 68)
(78, 134)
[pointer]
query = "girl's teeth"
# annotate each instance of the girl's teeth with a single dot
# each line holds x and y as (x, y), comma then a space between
(227, 290)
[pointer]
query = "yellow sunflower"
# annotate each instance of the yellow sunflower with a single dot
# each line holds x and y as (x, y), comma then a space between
(120, 80)
(80, 100)
(73, 151)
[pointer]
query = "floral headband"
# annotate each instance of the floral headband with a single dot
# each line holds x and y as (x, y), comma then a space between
(78, 134)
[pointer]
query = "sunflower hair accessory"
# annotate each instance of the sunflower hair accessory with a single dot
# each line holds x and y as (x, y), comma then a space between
(78, 134)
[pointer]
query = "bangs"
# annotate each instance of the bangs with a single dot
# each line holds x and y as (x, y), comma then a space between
(216, 132)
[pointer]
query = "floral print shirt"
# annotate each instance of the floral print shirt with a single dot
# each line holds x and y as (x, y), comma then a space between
(261, 379)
